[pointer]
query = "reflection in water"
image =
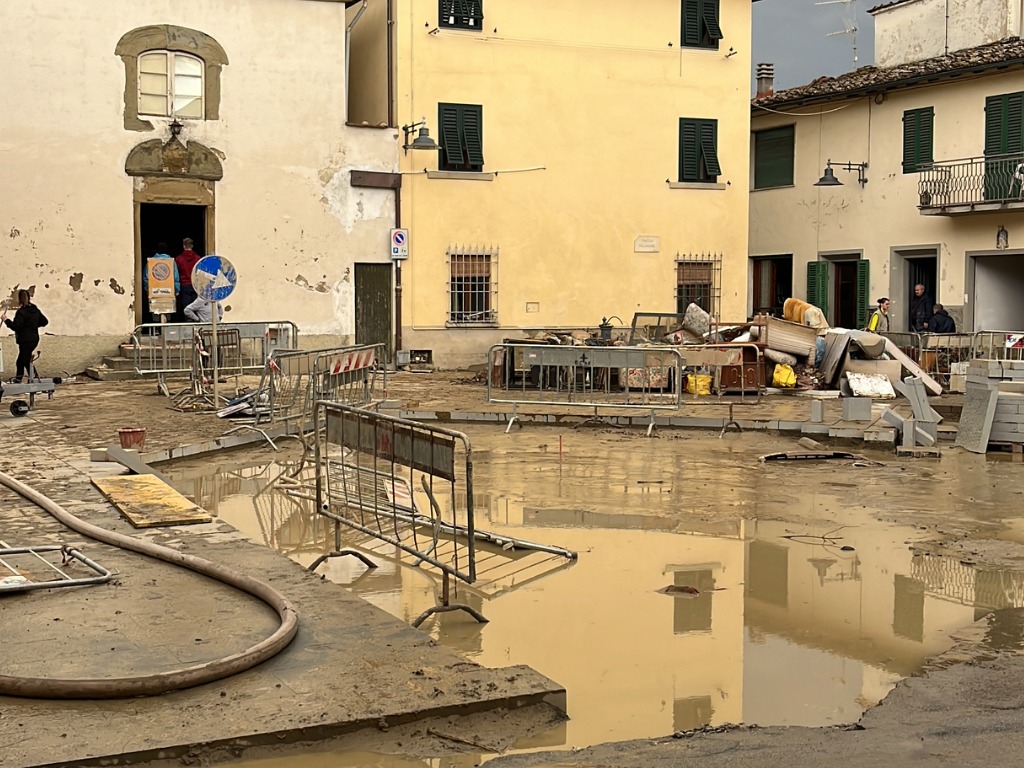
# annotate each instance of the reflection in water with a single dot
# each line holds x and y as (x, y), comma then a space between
(668, 621)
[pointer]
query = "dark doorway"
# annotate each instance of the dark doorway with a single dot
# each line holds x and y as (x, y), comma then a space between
(169, 224)
(920, 271)
(773, 283)
(844, 300)
(373, 304)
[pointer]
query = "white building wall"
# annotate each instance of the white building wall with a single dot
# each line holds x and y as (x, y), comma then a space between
(285, 213)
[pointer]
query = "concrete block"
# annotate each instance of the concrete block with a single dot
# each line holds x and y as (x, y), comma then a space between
(856, 409)
(926, 433)
(884, 435)
(815, 429)
(892, 418)
(846, 433)
(817, 411)
(1010, 386)
(909, 433)
(99, 454)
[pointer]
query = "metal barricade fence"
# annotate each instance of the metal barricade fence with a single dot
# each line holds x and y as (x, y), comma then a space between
(733, 372)
(398, 481)
(609, 377)
(908, 342)
(163, 349)
(945, 355)
(998, 345)
(294, 380)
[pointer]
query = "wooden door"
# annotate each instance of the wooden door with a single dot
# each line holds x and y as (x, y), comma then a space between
(373, 306)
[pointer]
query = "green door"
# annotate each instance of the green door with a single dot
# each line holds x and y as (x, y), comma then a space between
(374, 305)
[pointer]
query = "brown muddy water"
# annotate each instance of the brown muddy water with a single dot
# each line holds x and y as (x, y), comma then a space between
(814, 599)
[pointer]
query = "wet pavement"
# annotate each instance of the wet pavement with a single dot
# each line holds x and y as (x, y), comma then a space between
(818, 585)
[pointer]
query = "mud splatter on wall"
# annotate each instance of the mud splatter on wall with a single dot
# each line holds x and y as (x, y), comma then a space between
(75, 281)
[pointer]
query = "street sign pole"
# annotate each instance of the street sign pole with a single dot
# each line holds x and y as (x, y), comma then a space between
(216, 372)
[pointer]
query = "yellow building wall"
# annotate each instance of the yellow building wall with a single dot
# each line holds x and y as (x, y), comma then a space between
(581, 106)
(881, 219)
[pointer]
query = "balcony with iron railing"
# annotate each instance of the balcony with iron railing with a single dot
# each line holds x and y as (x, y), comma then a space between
(972, 185)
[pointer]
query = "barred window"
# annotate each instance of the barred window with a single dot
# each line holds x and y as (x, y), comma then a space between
(461, 14)
(472, 285)
(699, 281)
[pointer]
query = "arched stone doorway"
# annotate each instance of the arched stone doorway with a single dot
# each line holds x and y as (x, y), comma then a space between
(174, 197)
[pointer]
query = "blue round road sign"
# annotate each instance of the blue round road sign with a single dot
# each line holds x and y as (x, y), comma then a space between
(214, 278)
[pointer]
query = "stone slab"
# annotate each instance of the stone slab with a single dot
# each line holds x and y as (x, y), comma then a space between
(976, 420)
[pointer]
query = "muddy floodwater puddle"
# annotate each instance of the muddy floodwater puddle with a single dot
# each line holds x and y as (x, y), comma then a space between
(709, 588)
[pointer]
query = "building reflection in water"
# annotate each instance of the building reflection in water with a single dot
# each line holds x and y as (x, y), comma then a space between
(663, 626)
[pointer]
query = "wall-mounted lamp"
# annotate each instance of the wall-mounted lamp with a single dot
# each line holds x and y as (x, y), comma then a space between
(1002, 238)
(422, 140)
(828, 179)
(176, 127)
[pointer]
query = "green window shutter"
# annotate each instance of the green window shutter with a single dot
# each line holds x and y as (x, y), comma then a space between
(917, 138)
(450, 139)
(472, 127)
(994, 111)
(689, 150)
(709, 149)
(709, 16)
(773, 157)
(817, 285)
(1014, 120)
(863, 289)
(691, 22)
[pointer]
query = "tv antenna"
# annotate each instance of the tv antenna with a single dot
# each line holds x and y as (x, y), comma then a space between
(849, 20)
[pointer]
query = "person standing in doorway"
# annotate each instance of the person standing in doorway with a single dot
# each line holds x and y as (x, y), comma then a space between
(186, 260)
(920, 310)
(879, 322)
(26, 324)
(941, 322)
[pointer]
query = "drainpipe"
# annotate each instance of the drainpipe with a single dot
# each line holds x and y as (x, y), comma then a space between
(398, 279)
(348, 48)
(391, 63)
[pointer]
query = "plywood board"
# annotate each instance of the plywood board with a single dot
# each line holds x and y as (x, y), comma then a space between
(148, 502)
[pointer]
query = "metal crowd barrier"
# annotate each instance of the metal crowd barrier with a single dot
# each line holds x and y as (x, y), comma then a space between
(294, 380)
(944, 355)
(998, 345)
(644, 378)
(164, 349)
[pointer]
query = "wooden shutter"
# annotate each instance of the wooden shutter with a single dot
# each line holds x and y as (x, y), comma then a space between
(773, 157)
(994, 116)
(863, 290)
(817, 285)
(917, 138)
(1014, 120)
(471, 265)
(709, 18)
(450, 141)
(689, 150)
(709, 149)
(691, 22)
(472, 129)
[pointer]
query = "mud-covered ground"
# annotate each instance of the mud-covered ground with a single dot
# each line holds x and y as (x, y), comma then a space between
(962, 509)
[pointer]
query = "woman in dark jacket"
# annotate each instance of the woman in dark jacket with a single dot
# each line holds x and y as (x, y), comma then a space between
(26, 324)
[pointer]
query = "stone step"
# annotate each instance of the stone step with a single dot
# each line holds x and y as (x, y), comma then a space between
(118, 363)
(103, 373)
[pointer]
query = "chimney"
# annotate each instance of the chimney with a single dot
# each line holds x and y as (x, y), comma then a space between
(765, 80)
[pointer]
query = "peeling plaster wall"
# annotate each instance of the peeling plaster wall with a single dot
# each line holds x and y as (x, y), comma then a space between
(285, 213)
(804, 220)
(920, 30)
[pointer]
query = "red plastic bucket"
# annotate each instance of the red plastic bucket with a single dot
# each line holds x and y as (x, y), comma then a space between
(133, 438)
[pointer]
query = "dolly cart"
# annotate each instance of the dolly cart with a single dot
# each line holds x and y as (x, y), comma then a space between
(34, 385)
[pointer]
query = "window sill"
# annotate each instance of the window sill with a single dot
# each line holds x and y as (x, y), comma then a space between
(472, 324)
(695, 185)
(767, 189)
(463, 175)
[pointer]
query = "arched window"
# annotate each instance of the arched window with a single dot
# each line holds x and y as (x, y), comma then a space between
(171, 84)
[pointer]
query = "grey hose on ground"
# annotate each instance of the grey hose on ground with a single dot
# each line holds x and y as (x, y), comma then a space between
(162, 682)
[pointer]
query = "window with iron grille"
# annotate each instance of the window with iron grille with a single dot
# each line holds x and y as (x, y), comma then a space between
(701, 28)
(699, 281)
(462, 137)
(698, 150)
(461, 14)
(472, 285)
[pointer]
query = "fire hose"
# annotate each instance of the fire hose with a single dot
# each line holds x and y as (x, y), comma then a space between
(161, 682)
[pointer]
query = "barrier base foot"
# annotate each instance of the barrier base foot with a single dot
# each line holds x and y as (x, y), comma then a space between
(730, 424)
(450, 607)
(341, 553)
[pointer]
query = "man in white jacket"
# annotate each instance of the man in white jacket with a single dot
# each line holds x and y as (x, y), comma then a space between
(201, 311)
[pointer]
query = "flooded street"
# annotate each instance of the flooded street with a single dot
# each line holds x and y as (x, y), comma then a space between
(710, 587)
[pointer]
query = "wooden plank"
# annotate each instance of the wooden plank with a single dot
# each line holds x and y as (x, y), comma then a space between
(148, 502)
(915, 370)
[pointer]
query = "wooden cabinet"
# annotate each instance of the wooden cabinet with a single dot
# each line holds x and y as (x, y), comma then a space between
(747, 377)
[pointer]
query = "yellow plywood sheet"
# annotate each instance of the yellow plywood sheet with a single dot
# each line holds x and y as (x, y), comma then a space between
(148, 502)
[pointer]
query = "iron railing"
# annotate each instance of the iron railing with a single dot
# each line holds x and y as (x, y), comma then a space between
(972, 181)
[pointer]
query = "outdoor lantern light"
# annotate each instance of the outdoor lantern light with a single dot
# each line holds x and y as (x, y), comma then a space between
(422, 140)
(176, 127)
(828, 178)
(1002, 238)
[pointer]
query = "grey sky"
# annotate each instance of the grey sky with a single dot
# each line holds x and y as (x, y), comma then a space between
(793, 35)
